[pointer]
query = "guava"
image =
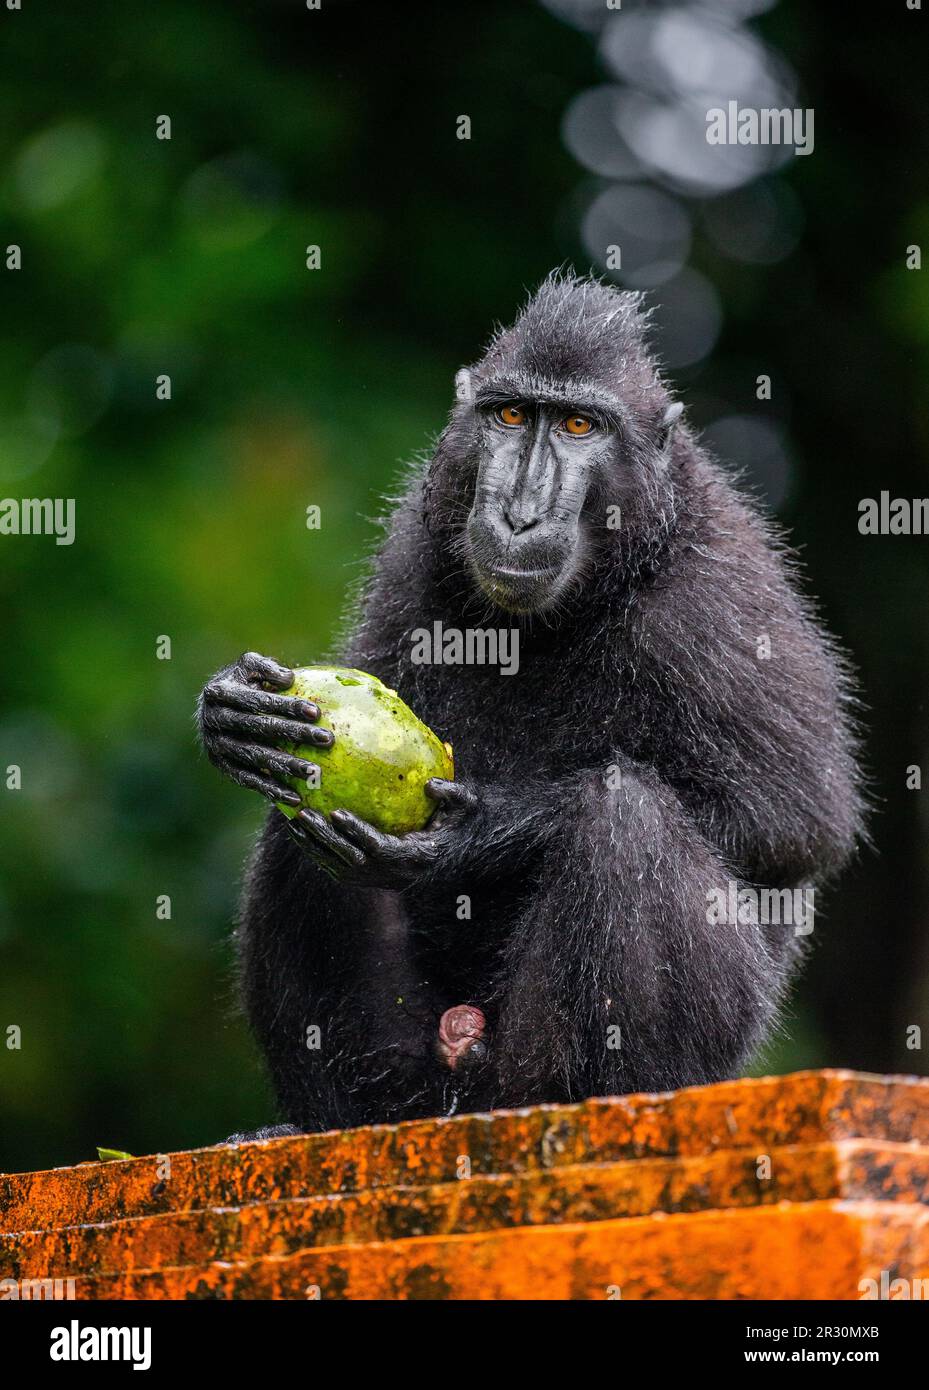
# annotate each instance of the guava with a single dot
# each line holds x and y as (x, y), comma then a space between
(382, 756)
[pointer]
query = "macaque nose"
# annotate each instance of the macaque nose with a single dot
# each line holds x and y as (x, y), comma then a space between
(519, 521)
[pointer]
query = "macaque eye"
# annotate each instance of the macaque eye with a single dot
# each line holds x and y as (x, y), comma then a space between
(512, 415)
(578, 424)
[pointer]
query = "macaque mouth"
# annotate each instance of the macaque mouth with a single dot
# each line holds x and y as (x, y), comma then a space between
(520, 564)
(517, 572)
(541, 569)
(518, 588)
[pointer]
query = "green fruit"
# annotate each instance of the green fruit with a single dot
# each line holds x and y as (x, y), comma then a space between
(382, 756)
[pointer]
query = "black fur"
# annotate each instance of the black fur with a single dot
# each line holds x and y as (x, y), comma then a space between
(588, 903)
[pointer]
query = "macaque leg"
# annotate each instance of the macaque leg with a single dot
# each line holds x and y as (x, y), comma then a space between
(614, 979)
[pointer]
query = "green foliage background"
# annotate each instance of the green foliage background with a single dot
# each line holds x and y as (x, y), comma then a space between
(293, 387)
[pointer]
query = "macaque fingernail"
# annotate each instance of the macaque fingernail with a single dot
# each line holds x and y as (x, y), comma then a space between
(291, 799)
(309, 711)
(324, 737)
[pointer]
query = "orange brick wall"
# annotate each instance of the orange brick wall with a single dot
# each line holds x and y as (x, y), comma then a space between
(785, 1187)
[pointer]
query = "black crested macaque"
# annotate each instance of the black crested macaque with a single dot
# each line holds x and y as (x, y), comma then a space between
(679, 730)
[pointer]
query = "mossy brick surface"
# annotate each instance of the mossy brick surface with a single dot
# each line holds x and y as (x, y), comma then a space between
(829, 1168)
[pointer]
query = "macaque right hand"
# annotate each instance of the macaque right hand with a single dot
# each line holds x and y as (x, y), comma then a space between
(242, 719)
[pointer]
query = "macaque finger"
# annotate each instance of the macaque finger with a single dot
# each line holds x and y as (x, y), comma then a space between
(321, 857)
(263, 759)
(452, 795)
(366, 836)
(236, 695)
(256, 782)
(318, 828)
(258, 668)
(265, 728)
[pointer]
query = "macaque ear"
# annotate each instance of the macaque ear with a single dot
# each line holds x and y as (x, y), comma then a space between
(464, 390)
(668, 422)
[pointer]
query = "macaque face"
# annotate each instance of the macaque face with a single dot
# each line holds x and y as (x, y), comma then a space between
(526, 532)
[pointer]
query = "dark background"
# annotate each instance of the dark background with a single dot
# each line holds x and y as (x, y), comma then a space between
(293, 387)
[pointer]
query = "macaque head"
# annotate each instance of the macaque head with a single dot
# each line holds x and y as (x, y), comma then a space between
(568, 428)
